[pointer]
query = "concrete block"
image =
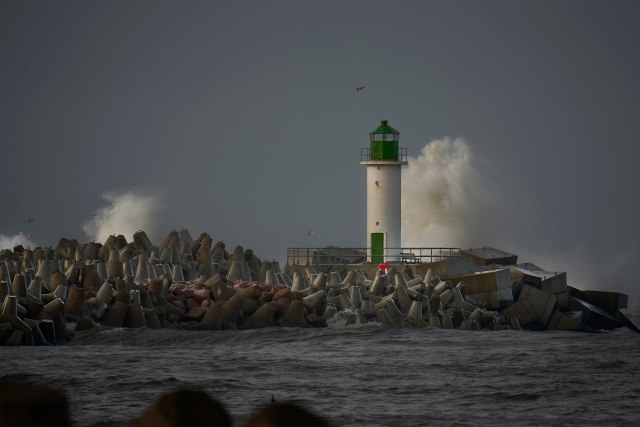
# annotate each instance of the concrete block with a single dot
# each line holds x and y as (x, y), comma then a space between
(567, 321)
(595, 317)
(578, 293)
(533, 308)
(488, 256)
(548, 281)
(490, 289)
(610, 302)
(625, 317)
(447, 268)
(457, 317)
(382, 316)
(526, 314)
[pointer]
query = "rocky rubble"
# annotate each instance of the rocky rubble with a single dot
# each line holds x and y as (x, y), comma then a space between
(197, 285)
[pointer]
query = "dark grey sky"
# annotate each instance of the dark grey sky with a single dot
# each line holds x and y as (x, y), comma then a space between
(242, 116)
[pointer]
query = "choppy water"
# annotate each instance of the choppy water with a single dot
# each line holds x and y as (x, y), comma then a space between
(368, 376)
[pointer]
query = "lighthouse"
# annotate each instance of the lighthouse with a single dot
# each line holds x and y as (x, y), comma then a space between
(384, 160)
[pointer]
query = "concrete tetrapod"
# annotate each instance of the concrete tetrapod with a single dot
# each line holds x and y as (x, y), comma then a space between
(135, 315)
(142, 271)
(344, 302)
(334, 279)
(72, 274)
(36, 332)
(383, 317)
(221, 291)
(446, 297)
(355, 295)
(350, 278)
(52, 309)
(218, 254)
(127, 269)
(232, 309)
(460, 299)
(213, 318)
(314, 300)
(103, 296)
(270, 278)
(235, 272)
(4, 291)
(35, 289)
(414, 317)
(380, 283)
(150, 313)
(101, 270)
(115, 315)
(394, 312)
(75, 304)
(262, 317)
(10, 314)
(445, 321)
(90, 279)
(57, 279)
(45, 270)
(400, 281)
(299, 282)
(434, 321)
(320, 281)
(245, 271)
(176, 273)
(19, 287)
(294, 316)
(403, 299)
(238, 253)
(441, 287)
(61, 292)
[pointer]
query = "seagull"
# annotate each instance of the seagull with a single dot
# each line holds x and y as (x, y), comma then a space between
(30, 220)
(310, 232)
(358, 89)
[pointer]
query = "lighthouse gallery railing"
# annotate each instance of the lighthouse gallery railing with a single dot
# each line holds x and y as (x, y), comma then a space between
(335, 255)
(367, 155)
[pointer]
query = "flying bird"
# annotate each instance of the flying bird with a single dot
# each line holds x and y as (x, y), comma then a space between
(310, 232)
(358, 89)
(30, 220)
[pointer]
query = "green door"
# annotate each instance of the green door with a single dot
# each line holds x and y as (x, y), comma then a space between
(377, 248)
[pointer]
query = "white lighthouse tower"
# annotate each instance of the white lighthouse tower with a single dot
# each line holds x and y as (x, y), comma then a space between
(384, 160)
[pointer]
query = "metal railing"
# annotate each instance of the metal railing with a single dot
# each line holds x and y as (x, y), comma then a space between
(337, 256)
(365, 156)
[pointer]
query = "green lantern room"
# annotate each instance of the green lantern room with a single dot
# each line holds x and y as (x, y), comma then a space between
(384, 142)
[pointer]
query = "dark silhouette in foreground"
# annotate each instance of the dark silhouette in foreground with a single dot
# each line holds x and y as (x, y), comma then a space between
(28, 405)
(182, 408)
(285, 415)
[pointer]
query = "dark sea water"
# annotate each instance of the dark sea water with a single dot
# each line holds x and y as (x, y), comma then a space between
(354, 376)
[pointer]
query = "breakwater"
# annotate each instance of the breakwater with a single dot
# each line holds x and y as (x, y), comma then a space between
(197, 284)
